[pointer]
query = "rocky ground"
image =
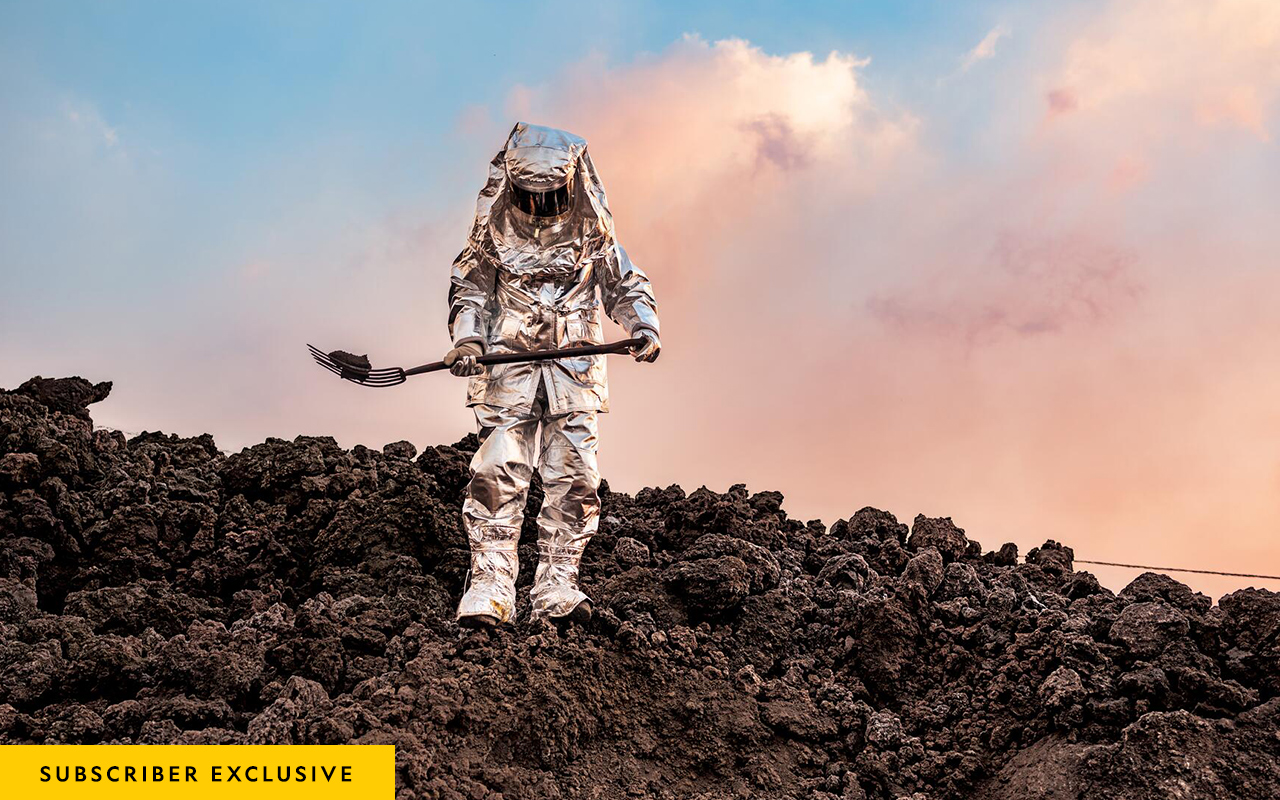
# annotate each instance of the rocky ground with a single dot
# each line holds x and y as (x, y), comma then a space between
(155, 590)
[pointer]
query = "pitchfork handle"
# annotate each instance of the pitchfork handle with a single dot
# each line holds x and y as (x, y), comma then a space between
(539, 355)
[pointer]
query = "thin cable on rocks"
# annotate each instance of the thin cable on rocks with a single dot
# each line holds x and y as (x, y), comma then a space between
(1176, 569)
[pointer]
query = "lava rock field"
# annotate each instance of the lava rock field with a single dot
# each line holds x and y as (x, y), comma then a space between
(155, 590)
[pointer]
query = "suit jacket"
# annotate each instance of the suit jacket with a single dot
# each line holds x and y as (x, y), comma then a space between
(526, 283)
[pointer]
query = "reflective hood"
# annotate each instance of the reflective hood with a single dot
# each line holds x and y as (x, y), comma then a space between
(539, 159)
(543, 208)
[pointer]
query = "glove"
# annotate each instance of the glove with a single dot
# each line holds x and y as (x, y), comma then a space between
(650, 349)
(461, 360)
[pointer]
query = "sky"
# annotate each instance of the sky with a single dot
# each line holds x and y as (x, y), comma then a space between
(1008, 262)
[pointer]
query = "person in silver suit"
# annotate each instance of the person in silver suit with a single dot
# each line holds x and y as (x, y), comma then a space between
(541, 261)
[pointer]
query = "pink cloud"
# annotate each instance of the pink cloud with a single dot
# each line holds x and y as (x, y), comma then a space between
(1061, 101)
(777, 143)
(855, 317)
(1164, 66)
(1024, 286)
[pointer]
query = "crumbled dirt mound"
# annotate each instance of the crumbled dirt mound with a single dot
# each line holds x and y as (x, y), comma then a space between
(157, 591)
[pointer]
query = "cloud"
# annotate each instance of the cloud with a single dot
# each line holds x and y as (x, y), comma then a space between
(1163, 67)
(86, 117)
(1026, 286)
(710, 137)
(984, 49)
(736, 104)
(1061, 101)
(856, 313)
(778, 143)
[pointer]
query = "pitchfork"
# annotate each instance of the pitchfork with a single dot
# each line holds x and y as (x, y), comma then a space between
(357, 369)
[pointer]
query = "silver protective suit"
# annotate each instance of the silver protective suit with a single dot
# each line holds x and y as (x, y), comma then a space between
(527, 283)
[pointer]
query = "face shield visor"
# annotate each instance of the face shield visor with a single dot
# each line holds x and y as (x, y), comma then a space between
(550, 203)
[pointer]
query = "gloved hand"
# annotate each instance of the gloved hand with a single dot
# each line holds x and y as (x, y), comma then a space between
(461, 360)
(649, 351)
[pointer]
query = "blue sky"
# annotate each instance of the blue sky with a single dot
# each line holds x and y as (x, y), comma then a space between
(201, 122)
(213, 103)
(148, 150)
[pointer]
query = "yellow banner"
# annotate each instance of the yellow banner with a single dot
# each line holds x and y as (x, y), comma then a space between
(238, 772)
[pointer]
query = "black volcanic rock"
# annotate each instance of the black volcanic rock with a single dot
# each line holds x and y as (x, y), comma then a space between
(67, 395)
(156, 591)
(940, 534)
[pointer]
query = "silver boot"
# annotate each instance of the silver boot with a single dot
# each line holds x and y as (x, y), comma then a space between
(555, 591)
(490, 598)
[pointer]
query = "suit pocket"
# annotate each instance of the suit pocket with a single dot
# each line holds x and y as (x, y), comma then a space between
(575, 331)
(506, 330)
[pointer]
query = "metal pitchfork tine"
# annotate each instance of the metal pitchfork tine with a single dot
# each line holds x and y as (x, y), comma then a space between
(357, 369)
